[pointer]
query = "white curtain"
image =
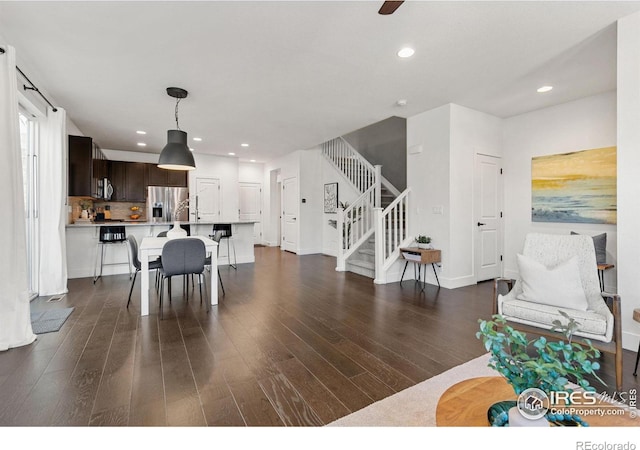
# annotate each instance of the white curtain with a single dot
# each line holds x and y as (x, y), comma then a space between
(52, 180)
(15, 320)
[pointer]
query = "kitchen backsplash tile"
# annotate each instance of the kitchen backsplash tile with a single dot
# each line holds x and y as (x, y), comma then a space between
(119, 210)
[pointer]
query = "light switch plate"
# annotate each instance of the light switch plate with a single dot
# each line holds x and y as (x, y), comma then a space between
(437, 210)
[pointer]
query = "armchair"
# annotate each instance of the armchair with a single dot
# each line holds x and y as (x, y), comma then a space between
(531, 302)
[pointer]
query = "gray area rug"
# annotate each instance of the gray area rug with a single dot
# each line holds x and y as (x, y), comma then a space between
(415, 406)
(49, 320)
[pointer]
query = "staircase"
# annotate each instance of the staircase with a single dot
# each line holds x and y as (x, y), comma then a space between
(375, 226)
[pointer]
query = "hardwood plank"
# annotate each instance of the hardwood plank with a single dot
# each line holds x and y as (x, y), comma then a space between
(288, 402)
(326, 406)
(254, 405)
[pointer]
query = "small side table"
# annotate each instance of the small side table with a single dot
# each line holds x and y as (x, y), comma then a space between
(601, 269)
(422, 257)
(636, 317)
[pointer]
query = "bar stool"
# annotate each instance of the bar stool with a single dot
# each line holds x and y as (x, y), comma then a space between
(109, 235)
(225, 232)
(636, 317)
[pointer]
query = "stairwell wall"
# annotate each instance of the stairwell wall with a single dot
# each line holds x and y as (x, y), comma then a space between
(441, 176)
(346, 193)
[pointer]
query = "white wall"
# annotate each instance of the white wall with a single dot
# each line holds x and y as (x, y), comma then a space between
(284, 167)
(441, 178)
(311, 203)
(346, 193)
(472, 132)
(250, 172)
(628, 135)
(224, 169)
(580, 125)
(123, 155)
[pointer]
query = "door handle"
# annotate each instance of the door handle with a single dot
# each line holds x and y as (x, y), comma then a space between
(480, 224)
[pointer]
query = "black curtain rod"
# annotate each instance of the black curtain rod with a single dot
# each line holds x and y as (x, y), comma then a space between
(33, 86)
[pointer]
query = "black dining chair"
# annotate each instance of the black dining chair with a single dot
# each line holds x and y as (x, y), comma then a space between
(132, 246)
(184, 256)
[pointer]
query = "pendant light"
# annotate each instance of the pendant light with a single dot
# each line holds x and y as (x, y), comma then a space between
(176, 154)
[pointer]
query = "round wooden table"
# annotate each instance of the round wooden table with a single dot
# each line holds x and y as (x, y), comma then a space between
(465, 404)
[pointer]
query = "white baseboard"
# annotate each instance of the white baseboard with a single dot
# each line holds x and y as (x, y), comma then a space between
(630, 341)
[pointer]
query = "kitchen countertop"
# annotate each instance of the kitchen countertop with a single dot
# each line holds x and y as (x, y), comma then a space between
(134, 223)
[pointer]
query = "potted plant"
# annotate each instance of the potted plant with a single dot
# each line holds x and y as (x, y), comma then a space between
(423, 241)
(85, 205)
(539, 363)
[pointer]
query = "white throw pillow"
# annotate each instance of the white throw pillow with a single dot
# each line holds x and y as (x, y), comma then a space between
(557, 286)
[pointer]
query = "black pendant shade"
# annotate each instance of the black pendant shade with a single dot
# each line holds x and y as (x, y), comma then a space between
(176, 154)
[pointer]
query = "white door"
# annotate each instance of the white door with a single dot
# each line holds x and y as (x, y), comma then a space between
(207, 200)
(290, 214)
(488, 220)
(251, 207)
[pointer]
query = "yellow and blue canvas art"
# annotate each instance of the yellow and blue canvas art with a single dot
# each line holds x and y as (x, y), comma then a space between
(576, 187)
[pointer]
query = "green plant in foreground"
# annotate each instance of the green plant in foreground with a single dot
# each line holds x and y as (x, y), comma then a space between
(547, 365)
(423, 239)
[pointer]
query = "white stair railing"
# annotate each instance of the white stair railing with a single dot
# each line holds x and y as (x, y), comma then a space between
(392, 233)
(355, 225)
(360, 172)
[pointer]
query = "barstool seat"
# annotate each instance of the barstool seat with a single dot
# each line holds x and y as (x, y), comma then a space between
(636, 317)
(109, 235)
(224, 231)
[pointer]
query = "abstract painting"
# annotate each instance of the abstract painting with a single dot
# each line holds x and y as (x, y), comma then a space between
(331, 198)
(576, 187)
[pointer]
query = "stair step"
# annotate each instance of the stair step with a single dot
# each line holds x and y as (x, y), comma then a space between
(367, 251)
(363, 264)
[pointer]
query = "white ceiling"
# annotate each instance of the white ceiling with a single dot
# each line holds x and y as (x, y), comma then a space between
(289, 75)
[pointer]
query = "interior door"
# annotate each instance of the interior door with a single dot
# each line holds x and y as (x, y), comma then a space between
(251, 207)
(207, 200)
(488, 220)
(290, 214)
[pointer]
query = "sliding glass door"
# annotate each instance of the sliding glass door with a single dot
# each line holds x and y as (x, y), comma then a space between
(29, 148)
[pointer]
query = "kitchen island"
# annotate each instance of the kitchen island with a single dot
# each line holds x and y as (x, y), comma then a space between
(83, 238)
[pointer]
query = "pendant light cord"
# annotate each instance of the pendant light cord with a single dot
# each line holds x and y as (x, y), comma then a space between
(177, 124)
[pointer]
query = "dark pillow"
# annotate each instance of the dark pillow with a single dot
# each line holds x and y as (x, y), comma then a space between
(600, 243)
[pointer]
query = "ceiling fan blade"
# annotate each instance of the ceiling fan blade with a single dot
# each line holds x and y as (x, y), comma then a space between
(389, 7)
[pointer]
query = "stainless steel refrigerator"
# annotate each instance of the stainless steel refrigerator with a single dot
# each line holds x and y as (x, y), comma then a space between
(163, 201)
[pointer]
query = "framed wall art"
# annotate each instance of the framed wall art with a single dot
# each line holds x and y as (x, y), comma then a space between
(576, 187)
(331, 198)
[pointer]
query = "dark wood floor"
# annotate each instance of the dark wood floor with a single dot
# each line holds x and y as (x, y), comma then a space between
(292, 343)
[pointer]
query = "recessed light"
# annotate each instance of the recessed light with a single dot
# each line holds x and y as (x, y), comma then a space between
(244, 145)
(192, 149)
(232, 154)
(406, 52)
(401, 102)
(197, 139)
(545, 89)
(141, 132)
(252, 160)
(141, 144)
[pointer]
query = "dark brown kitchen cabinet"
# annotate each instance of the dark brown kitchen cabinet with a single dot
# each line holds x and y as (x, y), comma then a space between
(136, 182)
(156, 176)
(118, 180)
(164, 177)
(129, 181)
(177, 178)
(87, 165)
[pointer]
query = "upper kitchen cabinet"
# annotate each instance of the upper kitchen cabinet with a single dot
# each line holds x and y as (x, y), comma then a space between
(164, 177)
(177, 178)
(129, 181)
(117, 174)
(87, 165)
(136, 181)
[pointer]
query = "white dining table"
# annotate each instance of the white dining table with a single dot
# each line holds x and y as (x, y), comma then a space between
(151, 247)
